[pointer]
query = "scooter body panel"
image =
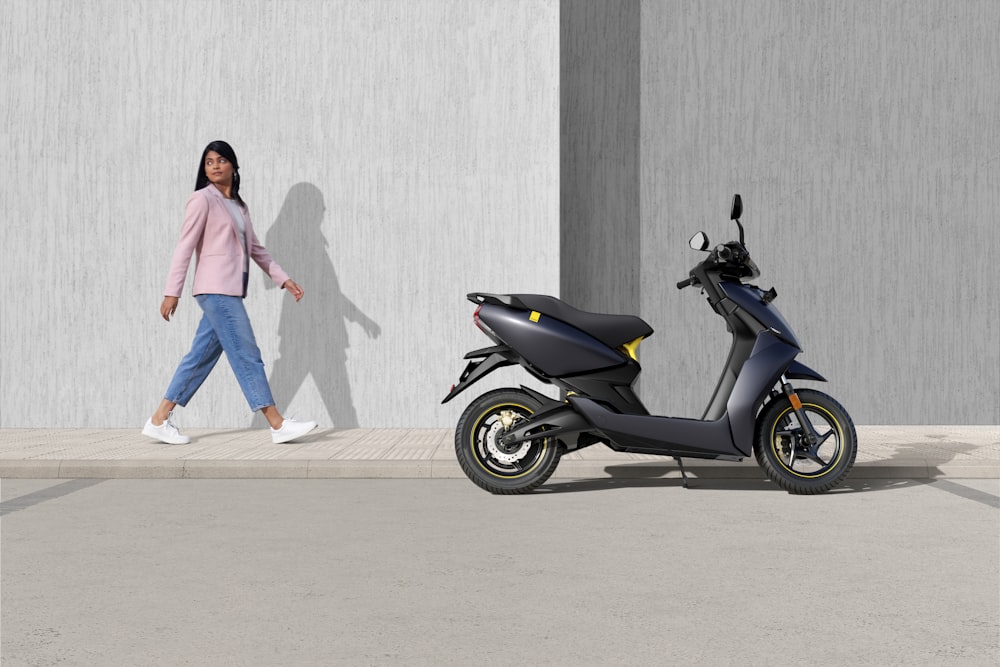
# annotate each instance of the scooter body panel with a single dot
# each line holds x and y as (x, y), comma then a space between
(612, 386)
(769, 359)
(553, 347)
(751, 299)
(731, 434)
(665, 436)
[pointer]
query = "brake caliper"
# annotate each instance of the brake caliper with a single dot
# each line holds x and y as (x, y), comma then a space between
(507, 418)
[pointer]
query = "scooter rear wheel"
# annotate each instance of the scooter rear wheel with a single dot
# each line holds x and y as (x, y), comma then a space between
(490, 464)
(783, 451)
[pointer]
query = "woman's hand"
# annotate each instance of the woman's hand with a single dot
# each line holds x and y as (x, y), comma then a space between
(293, 288)
(168, 307)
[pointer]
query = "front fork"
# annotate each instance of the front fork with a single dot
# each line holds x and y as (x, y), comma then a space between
(793, 398)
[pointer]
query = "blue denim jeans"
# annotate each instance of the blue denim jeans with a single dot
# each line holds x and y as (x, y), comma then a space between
(224, 327)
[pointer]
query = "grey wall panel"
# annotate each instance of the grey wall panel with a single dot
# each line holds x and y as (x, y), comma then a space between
(395, 154)
(599, 200)
(864, 139)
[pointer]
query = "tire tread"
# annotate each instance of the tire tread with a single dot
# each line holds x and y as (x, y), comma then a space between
(787, 481)
(472, 469)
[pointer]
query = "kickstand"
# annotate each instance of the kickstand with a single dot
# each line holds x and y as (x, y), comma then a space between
(680, 464)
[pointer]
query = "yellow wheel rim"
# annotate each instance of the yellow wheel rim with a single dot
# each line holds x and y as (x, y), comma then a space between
(475, 443)
(835, 427)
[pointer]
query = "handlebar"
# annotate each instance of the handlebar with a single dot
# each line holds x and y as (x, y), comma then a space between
(730, 259)
(687, 283)
(732, 252)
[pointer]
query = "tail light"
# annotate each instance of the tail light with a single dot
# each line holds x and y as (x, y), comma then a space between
(485, 328)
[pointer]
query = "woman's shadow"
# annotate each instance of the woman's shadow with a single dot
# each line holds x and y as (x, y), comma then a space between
(313, 332)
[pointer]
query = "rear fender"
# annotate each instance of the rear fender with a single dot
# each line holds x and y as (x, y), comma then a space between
(483, 363)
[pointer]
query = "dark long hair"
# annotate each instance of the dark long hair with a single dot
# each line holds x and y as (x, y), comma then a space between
(226, 151)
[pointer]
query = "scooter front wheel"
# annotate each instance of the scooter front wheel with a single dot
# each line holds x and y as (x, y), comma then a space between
(488, 462)
(783, 448)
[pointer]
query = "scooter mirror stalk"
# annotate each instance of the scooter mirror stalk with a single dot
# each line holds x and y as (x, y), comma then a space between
(699, 241)
(735, 215)
(737, 208)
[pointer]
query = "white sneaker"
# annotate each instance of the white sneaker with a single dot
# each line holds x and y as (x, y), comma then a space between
(165, 432)
(290, 430)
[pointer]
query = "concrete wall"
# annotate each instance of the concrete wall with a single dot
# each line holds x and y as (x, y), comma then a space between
(599, 139)
(863, 137)
(395, 155)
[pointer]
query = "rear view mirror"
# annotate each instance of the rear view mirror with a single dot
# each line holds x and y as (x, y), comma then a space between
(737, 208)
(699, 241)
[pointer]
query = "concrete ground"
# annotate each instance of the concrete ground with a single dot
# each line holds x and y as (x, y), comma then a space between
(885, 452)
(300, 572)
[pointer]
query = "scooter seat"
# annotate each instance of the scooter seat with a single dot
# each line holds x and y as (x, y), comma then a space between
(612, 330)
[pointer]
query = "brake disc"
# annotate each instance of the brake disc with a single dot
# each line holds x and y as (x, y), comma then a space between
(501, 453)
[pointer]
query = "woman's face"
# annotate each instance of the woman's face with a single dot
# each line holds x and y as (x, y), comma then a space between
(218, 169)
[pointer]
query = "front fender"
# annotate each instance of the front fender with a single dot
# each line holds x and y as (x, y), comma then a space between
(798, 371)
(483, 363)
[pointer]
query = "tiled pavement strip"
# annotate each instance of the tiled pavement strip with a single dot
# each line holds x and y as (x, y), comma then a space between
(885, 452)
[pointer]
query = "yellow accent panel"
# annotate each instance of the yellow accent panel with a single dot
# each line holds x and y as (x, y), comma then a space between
(535, 316)
(631, 347)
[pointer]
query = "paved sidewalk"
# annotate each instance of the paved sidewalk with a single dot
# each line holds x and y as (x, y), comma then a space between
(885, 452)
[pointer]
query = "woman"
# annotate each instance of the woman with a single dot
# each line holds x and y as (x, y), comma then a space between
(217, 227)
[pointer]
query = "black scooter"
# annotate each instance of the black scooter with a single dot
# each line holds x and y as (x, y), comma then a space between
(510, 440)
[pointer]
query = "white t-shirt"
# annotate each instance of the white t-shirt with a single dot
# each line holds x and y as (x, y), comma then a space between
(241, 226)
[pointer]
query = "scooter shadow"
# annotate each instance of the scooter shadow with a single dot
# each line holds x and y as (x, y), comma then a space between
(713, 484)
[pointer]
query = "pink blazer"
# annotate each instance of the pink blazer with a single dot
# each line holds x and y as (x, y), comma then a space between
(210, 230)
